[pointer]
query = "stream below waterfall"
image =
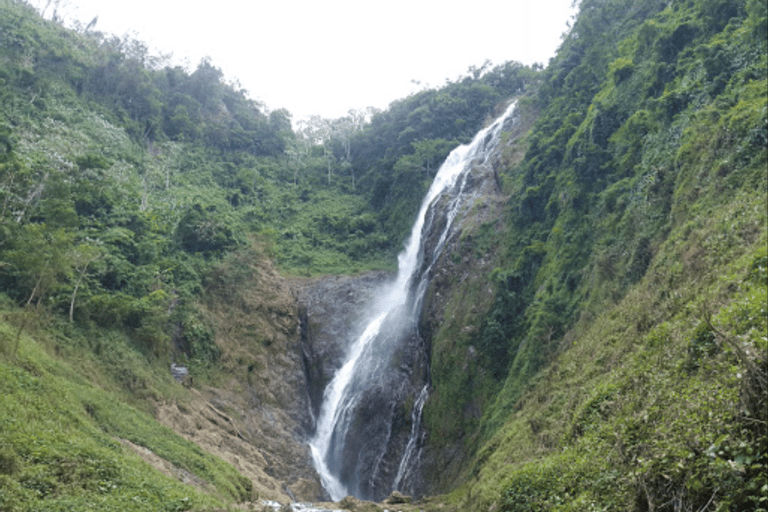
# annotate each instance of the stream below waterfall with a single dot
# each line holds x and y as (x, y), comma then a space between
(368, 433)
(295, 507)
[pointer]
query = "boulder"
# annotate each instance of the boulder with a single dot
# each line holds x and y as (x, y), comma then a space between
(397, 498)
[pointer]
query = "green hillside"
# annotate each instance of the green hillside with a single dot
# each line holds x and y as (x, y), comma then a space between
(622, 365)
(66, 428)
(618, 347)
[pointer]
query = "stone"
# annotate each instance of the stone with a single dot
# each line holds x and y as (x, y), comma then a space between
(397, 498)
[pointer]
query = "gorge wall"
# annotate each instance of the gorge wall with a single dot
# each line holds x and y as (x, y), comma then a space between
(459, 295)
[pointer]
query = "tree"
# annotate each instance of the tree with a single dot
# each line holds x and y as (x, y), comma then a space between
(343, 130)
(318, 130)
(16, 184)
(204, 85)
(39, 259)
(298, 151)
(82, 256)
(206, 231)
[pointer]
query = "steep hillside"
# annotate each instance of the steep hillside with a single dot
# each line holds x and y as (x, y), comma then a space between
(621, 362)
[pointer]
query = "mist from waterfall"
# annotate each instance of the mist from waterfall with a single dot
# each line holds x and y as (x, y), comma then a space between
(353, 396)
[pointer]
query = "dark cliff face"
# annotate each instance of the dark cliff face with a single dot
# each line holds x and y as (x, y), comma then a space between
(372, 453)
(329, 312)
(331, 309)
(368, 457)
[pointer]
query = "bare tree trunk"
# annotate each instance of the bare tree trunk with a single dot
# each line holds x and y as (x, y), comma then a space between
(74, 294)
(648, 497)
(34, 291)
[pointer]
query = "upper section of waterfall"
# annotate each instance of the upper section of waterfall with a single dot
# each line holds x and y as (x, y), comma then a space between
(455, 166)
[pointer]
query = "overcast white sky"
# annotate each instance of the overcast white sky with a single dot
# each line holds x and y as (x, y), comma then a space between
(325, 57)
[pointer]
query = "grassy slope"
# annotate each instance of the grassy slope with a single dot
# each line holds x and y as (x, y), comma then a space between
(633, 409)
(63, 419)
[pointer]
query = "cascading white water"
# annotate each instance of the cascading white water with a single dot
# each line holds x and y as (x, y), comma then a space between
(342, 394)
(411, 449)
(337, 405)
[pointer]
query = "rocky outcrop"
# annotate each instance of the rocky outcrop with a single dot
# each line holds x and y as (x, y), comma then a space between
(256, 413)
(330, 310)
(383, 416)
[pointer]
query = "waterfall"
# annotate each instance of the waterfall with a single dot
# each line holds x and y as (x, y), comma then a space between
(362, 445)
(407, 463)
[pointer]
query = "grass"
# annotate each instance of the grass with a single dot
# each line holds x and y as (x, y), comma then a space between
(60, 441)
(658, 397)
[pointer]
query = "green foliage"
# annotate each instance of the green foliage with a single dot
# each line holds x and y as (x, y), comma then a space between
(704, 343)
(201, 230)
(61, 446)
(397, 153)
(640, 203)
(564, 483)
(198, 340)
(620, 152)
(336, 231)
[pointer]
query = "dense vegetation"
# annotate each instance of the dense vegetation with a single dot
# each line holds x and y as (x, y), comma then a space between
(621, 364)
(633, 270)
(124, 179)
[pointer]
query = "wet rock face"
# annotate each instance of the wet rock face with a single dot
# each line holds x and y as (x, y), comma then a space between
(329, 309)
(368, 457)
(372, 451)
(459, 293)
(480, 193)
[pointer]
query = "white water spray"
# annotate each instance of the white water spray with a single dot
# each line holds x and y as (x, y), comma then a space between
(342, 394)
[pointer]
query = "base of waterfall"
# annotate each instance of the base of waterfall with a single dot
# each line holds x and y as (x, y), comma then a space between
(296, 507)
(348, 504)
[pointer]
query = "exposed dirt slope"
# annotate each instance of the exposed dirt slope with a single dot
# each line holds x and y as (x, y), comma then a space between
(280, 341)
(255, 412)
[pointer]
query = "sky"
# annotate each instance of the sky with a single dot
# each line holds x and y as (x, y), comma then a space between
(326, 57)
